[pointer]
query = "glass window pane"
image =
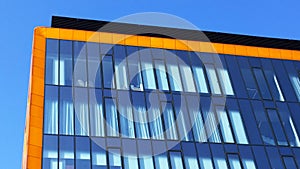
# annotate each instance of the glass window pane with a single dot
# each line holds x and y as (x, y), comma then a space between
(289, 162)
(173, 71)
(108, 72)
(146, 162)
(198, 73)
(66, 152)
(126, 116)
(234, 161)
(204, 156)
(114, 158)
(211, 124)
(186, 72)
(52, 61)
(225, 81)
(80, 70)
(81, 112)
(156, 125)
(169, 121)
(51, 110)
(224, 125)
(66, 112)
(65, 63)
(50, 152)
(261, 159)
(134, 67)
(161, 75)
(161, 161)
(274, 157)
(111, 116)
(219, 156)
(262, 84)
(140, 115)
(96, 112)
(98, 154)
(247, 157)
(238, 127)
(147, 68)
(276, 124)
(94, 67)
(213, 79)
(121, 67)
(130, 162)
(189, 155)
(176, 160)
(83, 157)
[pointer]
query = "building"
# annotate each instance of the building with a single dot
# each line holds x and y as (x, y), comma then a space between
(122, 97)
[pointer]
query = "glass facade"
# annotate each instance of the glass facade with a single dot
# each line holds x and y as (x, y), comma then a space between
(134, 107)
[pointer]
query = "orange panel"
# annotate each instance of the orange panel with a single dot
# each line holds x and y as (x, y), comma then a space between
(36, 111)
(144, 41)
(296, 55)
(286, 54)
(229, 49)
(181, 44)
(118, 39)
(131, 40)
(34, 151)
(275, 53)
(156, 42)
(92, 36)
(241, 50)
(38, 72)
(207, 47)
(106, 37)
(34, 163)
(35, 136)
(40, 31)
(263, 52)
(38, 54)
(37, 100)
(79, 35)
(219, 48)
(66, 34)
(39, 42)
(194, 45)
(36, 122)
(53, 33)
(37, 86)
(252, 51)
(169, 43)
(38, 62)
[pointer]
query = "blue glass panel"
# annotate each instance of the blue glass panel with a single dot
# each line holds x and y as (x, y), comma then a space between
(66, 112)
(50, 152)
(190, 156)
(161, 75)
(52, 61)
(218, 156)
(283, 79)
(51, 110)
(135, 74)
(83, 157)
(223, 74)
(252, 130)
(294, 109)
(198, 72)
(261, 157)
(81, 112)
(236, 77)
(111, 117)
(224, 124)
(66, 152)
(126, 116)
(234, 161)
(140, 115)
(161, 161)
(186, 72)
(94, 66)
(130, 154)
(80, 69)
(176, 160)
(182, 118)
(248, 78)
(65, 63)
(147, 68)
(247, 157)
(274, 157)
(213, 79)
(262, 83)
(98, 154)
(114, 158)
(146, 162)
(197, 122)
(288, 124)
(272, 80)
(96, 112)
(289, 162)
(169, 121)
(263, 123)
(121, 71)
(277, 128)
(154, 113)
(204, 156)
(108, 72)
(145, 154)
(106, 49)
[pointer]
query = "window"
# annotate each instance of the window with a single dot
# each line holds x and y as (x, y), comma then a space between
(176, 160)
(204, 156)
(108, 72)
(120, 67)
(161, 161)
(186, 72)
(66, 152)
(296, 84)
(161, 75)
(66, 112)
(80, 63)
(51, 110)
(126, 116)
(198, 73)
(147, 69)
(114, 158)
(111, 116)
(238, 127)
(262, 84)
(94, 66)
(219, 156)
(52, 61)
(98, 154)
(190, 155)
(224, 125)
(234, 161)
(213, 79)
(50, 154)
(135, 73)
(289, 162)
(155, 120)
(65, 63)
(83, 157)
(146, 162)
(225, 81)
(96, 112)
(81, 112)
(169, 121)
(277, 128)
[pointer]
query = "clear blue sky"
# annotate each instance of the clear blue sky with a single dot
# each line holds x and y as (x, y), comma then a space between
(272, 18)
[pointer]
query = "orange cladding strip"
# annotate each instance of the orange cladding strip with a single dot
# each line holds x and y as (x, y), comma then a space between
(32, 152)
